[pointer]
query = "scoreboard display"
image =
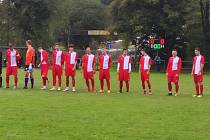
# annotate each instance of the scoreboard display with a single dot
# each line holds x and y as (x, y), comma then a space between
(157, 43)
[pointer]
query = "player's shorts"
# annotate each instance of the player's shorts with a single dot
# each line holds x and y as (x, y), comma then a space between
(12, 71)
(44, 70)
(27, 68)
(57, 70)
(88, 75)
(70, 71)
(124, 75)
(198, 78)
(173, 78)
(144, 75)
(104, 74)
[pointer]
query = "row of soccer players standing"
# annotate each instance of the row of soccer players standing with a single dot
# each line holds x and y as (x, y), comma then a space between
(69, 59)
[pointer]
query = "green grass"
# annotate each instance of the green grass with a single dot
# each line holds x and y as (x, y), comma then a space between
(42, 115)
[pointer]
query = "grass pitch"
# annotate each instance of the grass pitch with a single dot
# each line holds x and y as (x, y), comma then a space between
(44, 115)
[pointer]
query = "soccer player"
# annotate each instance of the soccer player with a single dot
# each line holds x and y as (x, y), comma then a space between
(173, 71)
(29, 64)
(57, 62)
(124, 69)
(12, 57)
(44, 65)
(88, 67)
(197, 72)
(105, 62)
(71, 58)
(144, 70)
(0, 69)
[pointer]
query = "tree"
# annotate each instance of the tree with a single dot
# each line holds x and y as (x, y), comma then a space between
(163, 18)
(72, 17)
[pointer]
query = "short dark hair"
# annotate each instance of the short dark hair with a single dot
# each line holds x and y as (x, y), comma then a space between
(174, 50)
(71, 45)
(198, 49)
(29, 42)
(124, 49)
(144, 50)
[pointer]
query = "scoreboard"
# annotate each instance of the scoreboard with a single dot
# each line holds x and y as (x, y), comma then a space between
(157, 43)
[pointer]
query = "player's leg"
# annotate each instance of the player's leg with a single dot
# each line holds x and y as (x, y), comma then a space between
(108, 84)
(26, 79)
(196, 82)
(101, 79)
(143, 86)
(120, 78)
(127, 86)
(121, 86)
(170, 79)
(200, 89)
(32, 79)
(102, 85)
(8, 72)
(54, 78)
(149, 86)
(67, 83)
(87, 84)
(92, 83)
(127, 79)
(15, 73)
(73, 83)
(59, 82)
(107, 77)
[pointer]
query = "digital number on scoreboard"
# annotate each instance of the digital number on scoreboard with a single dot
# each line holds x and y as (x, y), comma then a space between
(157, 44)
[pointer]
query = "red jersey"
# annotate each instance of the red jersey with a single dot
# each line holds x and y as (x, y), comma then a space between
(197, 62)
(174, 65)
(71, 59)
(12, 57)
(58, 58)
(145, 62)
(105, 62)
(88, 62)
(44, 58)
(124, 63)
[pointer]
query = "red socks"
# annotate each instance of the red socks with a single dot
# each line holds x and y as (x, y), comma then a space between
(67, 81)
(197, 88)
(177, 87)
(108, 84)
(102, 84)
(15, 80)
(121, 86)
(127, 86)
(87, 84)
(169, 87)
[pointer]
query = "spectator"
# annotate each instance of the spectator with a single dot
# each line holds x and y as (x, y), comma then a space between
(158, 62)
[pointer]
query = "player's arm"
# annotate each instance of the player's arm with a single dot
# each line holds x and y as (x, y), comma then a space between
(76, 59)
(168, 67)
(118, 65)
(179, 66)
(202, 64)
(110, 61)
(129, 65)
(18, 56)
(63, 58)
(193, 67)
(150, 65)
(94, 64)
